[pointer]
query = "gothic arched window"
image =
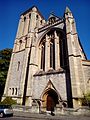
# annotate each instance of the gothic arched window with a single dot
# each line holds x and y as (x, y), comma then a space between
(15, 91)
(55, 50)
(29, 22)
(20, 44)
(61, 54)
(25, 42)
(18, 67)
(12, 91)
(62, 46)
(24, 24)
(52, 53)
(43, 55)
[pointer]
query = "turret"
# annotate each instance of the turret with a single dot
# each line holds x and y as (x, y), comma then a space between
(74, 42)
(74, 57)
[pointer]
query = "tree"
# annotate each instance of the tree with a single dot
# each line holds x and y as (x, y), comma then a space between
(5, 56)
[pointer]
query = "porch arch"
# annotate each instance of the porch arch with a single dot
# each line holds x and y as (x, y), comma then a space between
(49, 99)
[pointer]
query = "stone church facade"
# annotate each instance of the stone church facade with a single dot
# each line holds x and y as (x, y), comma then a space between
(48, 66)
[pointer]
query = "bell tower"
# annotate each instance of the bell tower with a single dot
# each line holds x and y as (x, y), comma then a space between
(75, 56)
(23, 57)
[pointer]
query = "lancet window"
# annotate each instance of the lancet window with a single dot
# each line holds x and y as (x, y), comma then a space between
(62, 49)
(29, 22)
(52, 51)
(15, 91)
(24, 24)
(43, 55)
(20, 44)
(18, 67)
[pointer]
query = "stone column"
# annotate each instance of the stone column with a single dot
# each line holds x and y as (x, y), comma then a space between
(26, 25)
(20, 27)
(32, 20)
(57, 52)
(47, 53)
(38, 22)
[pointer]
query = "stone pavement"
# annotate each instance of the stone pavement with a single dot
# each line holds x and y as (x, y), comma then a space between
(37, 116)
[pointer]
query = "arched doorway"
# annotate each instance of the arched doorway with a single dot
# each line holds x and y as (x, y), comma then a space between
(50, 103)
(50, 99)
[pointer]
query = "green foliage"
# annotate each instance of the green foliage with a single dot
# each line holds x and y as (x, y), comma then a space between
(5, 56)
(87, 96)
(86, 100)
(8, 101)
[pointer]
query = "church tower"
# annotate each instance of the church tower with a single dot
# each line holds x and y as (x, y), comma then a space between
(48, 66)
(75, 57)
(22, 60)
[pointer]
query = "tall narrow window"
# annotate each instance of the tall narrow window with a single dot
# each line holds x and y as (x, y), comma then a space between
(29, 22)
(12, 91)
(41, 22)
(18, 67)
(52, 54)
(37, 21)
(43, 56)
(24, 24)
(36, 17)
(25, 42)
(15, 91)
(62, 49)
(20, 44)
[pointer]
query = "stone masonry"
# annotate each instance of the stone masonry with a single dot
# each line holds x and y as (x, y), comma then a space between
(48, 66)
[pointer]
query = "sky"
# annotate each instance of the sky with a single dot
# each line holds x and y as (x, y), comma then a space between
(10, 11)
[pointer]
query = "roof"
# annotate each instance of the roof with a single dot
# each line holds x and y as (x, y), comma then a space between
(30, 9)
(52, 15)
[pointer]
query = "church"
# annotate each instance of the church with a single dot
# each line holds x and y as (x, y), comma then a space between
(48, 66)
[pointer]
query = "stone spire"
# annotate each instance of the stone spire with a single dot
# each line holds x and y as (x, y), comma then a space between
(67, 10)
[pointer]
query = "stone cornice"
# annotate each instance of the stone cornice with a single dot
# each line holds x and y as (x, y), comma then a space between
(19, 51)
(49, 26)
(74, 55)
(51, 71)
(86, 63)
(86, 60)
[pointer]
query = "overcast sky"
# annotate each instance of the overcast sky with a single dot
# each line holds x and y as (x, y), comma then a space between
(10, 11)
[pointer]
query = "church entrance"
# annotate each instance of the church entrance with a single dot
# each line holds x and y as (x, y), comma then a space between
(50, 103)
(50, 99)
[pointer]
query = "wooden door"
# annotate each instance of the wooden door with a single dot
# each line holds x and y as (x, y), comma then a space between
(50, 103)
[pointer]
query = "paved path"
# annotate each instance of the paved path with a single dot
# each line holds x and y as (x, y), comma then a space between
(25, 118)
(47, 118)
(31, 116)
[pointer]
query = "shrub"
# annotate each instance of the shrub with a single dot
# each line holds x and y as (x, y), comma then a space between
(86, 99)
(8, 101)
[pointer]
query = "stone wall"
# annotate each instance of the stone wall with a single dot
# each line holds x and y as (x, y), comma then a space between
(58, 111)
(40, 84)
(86, 68)
(15, 74)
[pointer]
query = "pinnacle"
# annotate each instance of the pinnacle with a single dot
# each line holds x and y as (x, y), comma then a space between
(51, 15)
(67, 10)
